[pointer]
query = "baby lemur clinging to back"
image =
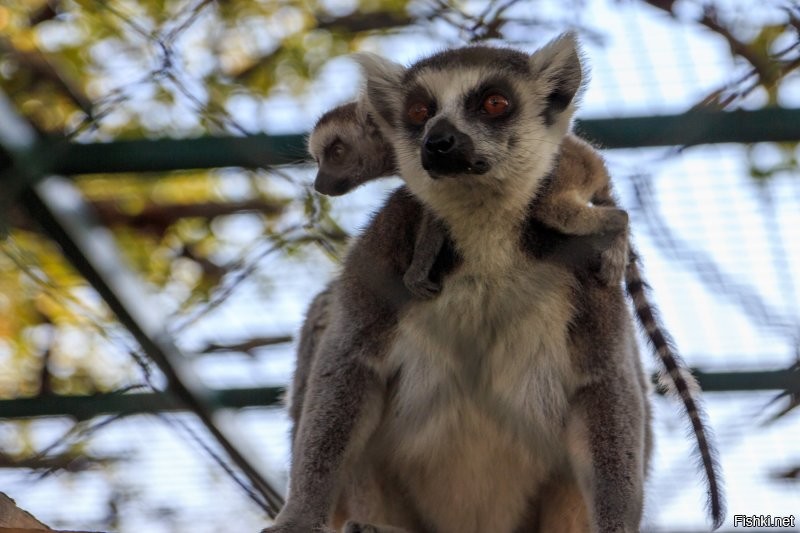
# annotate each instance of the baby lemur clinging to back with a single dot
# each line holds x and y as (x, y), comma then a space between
(350, 151)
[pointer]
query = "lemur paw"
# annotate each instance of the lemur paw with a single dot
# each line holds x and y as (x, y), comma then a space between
(616, 221)
(613, 228)
(613, 262)
(424, 289)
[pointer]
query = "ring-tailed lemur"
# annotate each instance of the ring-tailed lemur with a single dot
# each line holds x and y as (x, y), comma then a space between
(580, 175)
(515, 399)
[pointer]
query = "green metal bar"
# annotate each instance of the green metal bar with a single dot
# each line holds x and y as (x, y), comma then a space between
(749, 381)
(256, 151)
(695, 127)
(83, 407)
(159, 155)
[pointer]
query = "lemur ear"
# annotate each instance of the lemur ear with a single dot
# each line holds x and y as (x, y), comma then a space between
(559, 74)
(382, 86)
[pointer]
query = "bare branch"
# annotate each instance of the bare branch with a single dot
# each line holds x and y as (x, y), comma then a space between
(247, 346)
(792, 474)
(41, 69)
(358, 22)
(158, 217)
(68, 462)
(210, 269)
(760, 63)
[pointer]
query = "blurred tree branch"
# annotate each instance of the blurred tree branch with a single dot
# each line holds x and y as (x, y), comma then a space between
(249, 346)
(47, 11)
(767, 69)
(359, 22)
(42, 70)
(791, 474)
(158, 217)
(792, 397)
(72, 461)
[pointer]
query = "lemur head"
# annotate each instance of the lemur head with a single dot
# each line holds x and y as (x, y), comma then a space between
(475, 117)
(349, 149)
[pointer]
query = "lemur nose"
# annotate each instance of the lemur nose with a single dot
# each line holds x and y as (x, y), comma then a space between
(440, 143)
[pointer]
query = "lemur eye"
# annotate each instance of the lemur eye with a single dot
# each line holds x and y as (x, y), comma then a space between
(418, 113)
(336, 151)
(495, 104)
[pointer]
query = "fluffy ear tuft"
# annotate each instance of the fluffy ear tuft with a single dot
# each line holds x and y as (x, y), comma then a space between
(558, 67)
(382, 84)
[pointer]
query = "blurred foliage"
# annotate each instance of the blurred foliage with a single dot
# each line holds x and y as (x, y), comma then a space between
(96, 70)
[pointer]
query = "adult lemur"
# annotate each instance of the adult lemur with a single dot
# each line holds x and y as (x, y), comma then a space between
(350, 150)
(514, 401)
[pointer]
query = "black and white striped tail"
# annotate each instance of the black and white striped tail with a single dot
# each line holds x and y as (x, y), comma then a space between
(676, 377)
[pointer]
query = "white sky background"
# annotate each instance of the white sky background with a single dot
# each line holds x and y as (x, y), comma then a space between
(647, 64)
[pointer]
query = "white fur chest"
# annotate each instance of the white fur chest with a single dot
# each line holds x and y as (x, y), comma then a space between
(498, 342)
(483, 380)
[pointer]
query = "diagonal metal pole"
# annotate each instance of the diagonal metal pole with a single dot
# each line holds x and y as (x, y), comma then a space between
(57, 205)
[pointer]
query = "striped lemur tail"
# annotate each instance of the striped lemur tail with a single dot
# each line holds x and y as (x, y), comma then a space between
(677, 378)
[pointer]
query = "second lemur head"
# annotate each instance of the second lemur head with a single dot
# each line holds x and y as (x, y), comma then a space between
(349, 149)
(475, 117)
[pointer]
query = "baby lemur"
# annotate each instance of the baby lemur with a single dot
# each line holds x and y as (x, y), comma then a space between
(515, 400)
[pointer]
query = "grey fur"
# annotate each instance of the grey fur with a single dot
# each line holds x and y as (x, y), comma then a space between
(515, 401)
(314, 326)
